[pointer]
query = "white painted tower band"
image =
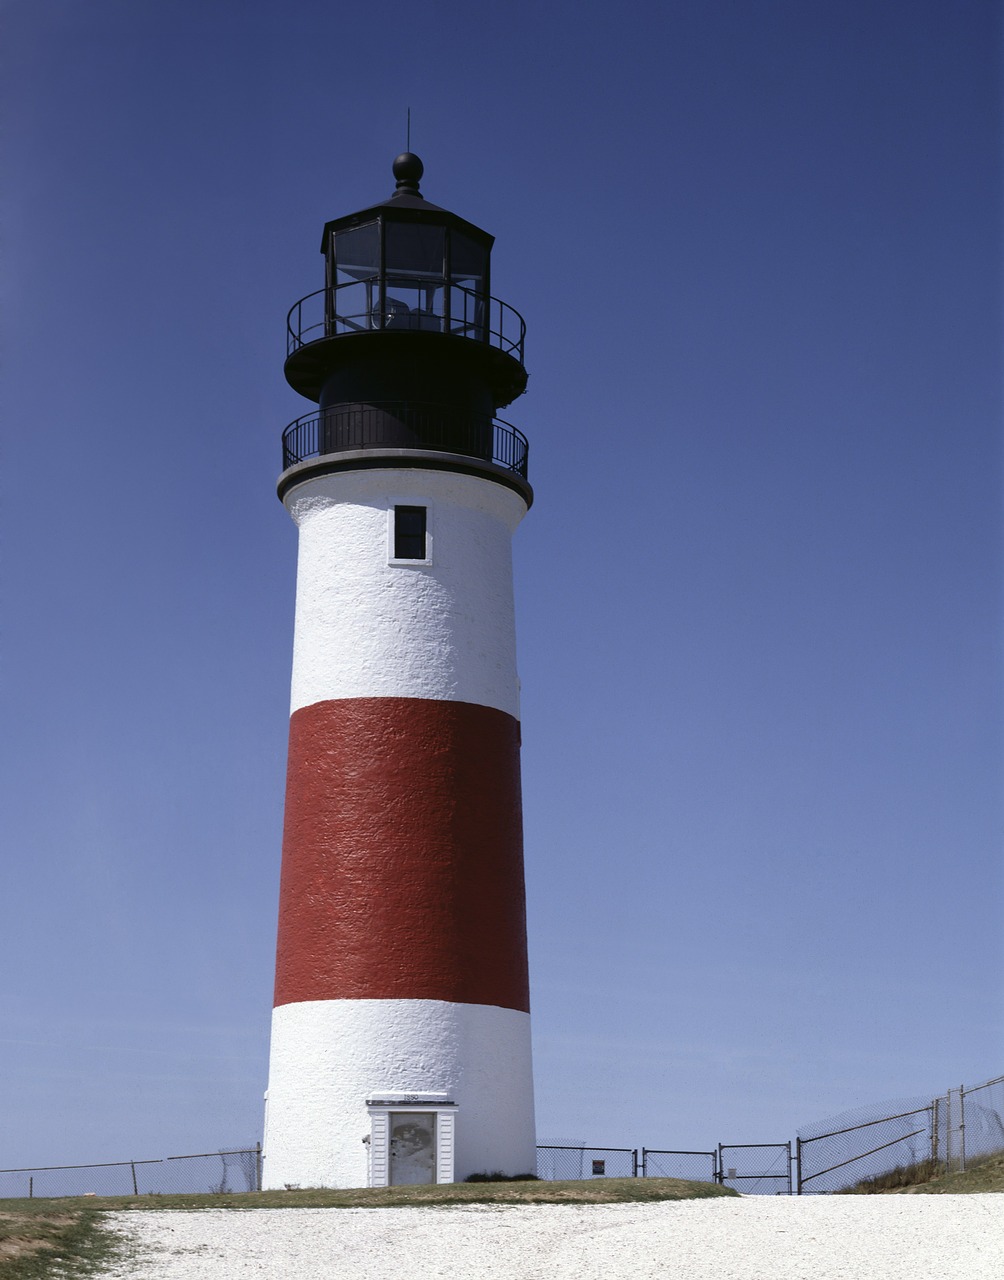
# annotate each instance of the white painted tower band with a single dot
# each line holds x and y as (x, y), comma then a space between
(367, 627)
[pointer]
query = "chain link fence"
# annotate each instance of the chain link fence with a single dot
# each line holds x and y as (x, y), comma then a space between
(864, 1143)
(948, 1133)
(573, 1164)
(756, 1169)
(212, 1171)
(968, 1125)
(691, 1166)
(951, 1133)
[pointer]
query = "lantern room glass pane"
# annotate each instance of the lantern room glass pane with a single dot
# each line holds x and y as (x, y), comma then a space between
(414, 265)
(468, 262)
(468, 270)
(357, 269)
(357, 253)
(415, 249)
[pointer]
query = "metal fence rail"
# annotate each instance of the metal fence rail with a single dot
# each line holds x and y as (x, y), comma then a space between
(691, 1166)
(756, 1168)
(210, 1171)
(861, 1144)
(572, 1164)
(968, 1125)
(952, 1132)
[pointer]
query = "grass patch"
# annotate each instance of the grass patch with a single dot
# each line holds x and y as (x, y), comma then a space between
(904, 1175)
(40, 1238)
(596, 1191)
(928, 1177)
(67, 1237)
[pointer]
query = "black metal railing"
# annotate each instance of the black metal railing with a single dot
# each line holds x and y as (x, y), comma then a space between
(405, 425)
(367, 306)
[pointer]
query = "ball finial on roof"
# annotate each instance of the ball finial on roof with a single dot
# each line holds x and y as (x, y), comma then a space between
(408, 169)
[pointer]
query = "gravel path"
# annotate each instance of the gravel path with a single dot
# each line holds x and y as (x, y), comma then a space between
(908, 1237)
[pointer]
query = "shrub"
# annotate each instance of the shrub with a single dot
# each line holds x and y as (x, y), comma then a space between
(498, 1176)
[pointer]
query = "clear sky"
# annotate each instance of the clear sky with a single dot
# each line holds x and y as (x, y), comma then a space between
(758, 249)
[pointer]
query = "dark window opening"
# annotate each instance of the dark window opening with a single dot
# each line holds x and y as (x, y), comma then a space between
(409, 533)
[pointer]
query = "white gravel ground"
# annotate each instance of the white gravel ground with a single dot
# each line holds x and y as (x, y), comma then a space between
(910, 1237)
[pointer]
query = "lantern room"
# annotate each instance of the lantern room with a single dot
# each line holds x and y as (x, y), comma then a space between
(407, 265)
(405, 347)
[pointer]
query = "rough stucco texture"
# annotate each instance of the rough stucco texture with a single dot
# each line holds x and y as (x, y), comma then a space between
(402, 950)
(367, 628)
(402, 865)
(329, 1057)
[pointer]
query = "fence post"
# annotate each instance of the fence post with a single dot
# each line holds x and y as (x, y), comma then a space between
(798, 1165)
(720, 1170)
(135, 1188)
(962, 1128)
(934, 1130)
(257, 1164)
(31, 1186)
(634, 1163)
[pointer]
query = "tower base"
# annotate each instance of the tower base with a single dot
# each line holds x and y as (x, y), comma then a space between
(331, 1058)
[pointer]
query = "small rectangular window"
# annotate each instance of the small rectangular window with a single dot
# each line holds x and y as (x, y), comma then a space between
(410, 533)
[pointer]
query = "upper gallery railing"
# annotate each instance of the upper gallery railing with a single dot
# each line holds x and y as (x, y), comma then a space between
(403, 304)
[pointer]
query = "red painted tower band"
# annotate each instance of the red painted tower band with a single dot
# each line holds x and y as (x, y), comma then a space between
(402, 865)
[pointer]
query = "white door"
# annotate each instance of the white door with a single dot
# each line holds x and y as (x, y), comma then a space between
(412, 1147)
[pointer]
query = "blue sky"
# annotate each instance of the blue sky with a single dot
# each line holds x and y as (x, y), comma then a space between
(758, 250)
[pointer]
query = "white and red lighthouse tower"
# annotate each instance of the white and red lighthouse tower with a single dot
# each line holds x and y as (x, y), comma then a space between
(401, 1034)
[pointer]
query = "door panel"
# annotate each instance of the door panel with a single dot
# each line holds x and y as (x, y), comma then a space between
(412, 1147)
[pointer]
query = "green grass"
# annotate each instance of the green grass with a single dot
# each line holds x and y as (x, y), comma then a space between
(903, 1176)
(41, 1239)
(929, 1178)
(67, 1237)
(595, 1191)
(44, 1238)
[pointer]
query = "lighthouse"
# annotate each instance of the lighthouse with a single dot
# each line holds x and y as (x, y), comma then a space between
(400, 1046)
